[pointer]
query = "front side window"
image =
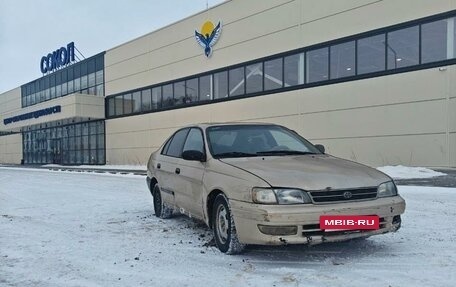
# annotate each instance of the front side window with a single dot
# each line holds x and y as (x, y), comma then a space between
(177, 143)
(256, 140)
(194, 141)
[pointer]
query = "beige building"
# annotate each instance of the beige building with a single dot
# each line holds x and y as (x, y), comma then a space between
(371, 80)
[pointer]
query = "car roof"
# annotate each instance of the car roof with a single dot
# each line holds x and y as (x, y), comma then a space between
(206, 125)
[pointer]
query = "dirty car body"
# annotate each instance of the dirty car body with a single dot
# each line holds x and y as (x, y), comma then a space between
(264, 184)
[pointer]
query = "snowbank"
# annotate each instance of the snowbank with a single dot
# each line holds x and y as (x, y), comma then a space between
(406, 172)
(120, 167)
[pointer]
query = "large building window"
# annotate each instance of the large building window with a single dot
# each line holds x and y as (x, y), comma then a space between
(403, 48)
(111, 107)
(136, 99)
(273, 78)
(156, 98)
(317, 65)
(205, 88)
(168, 100)
(127, 104)
(85, 77)
(191, 91)
(438, 40)
(220, 85)
(119, 104)
(371, 54)
(179, 93)
(254, 77)
(237, 82)
(294, 70)
(81, 143)
(146, 102)
(343, 60)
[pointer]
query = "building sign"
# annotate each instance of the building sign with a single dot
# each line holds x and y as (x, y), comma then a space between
(208, 36)
(33, 115)
(59, 58)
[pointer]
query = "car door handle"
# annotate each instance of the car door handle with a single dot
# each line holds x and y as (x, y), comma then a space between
(158, 166)
(177, 171)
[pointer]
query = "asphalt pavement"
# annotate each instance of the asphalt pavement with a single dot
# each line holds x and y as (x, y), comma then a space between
(448, 180)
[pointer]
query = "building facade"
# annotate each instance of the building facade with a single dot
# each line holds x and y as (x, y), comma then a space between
(374, 81)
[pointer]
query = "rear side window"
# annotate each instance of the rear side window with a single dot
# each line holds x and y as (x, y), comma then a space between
(165, 148)
(177, 143)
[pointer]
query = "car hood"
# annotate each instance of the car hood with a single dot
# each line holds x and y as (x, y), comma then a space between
(310, 172)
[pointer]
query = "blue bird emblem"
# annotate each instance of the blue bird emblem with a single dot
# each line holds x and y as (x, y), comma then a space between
(208, 36)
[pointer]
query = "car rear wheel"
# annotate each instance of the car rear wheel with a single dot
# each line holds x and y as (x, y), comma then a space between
(161, 210)
(223, 227)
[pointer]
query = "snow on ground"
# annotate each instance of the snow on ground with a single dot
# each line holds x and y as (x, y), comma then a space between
(407, 172)
(75, 229)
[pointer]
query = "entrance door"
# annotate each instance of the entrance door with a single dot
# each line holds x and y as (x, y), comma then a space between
(57, 151)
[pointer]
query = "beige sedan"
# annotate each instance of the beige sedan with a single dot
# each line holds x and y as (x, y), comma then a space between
(264, 184)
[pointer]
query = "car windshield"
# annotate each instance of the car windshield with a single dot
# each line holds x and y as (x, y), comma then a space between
(256, 140)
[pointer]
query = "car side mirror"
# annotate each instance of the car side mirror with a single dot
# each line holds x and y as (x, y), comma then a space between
(194, 155)
(320, 147)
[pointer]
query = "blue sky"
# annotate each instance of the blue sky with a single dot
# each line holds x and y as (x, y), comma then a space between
(31, 29)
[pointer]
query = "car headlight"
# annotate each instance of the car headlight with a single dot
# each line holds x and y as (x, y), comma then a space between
(386, 189)
(280, 196)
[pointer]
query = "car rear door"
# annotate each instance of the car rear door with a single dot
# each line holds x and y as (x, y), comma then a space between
(167, 166)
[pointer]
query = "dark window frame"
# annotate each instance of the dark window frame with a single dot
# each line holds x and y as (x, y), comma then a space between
(329, 81)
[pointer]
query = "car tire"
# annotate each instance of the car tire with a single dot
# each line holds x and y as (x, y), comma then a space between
(225, 234)
(161, 210)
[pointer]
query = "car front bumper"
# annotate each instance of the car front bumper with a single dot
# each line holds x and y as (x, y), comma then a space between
(306, 217)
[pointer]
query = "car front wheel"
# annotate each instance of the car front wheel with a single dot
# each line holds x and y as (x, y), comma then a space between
(161, 210)
(224, 229)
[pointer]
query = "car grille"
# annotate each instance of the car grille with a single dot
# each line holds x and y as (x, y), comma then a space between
(344, 195)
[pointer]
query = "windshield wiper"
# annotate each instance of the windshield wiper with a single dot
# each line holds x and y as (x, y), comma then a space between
(286, 152)
(234, 154)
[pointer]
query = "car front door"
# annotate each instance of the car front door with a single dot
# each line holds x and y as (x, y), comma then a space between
(190, 178)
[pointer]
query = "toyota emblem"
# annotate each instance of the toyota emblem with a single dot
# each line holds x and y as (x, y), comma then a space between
(347, 195)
